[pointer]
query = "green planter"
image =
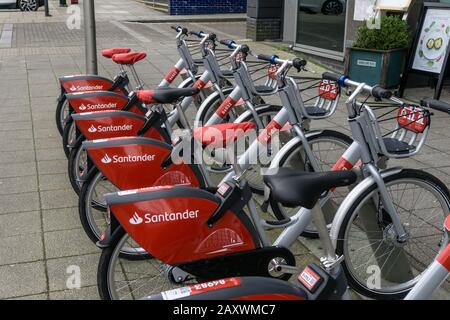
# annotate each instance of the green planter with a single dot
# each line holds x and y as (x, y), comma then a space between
(375, 66)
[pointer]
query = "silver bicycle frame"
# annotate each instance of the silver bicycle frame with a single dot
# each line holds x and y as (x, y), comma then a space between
(434, 276)
(244, 89)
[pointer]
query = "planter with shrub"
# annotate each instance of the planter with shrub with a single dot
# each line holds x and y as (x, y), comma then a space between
(378, 55)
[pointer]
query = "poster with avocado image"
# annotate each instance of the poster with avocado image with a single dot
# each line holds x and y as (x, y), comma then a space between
(433, 41)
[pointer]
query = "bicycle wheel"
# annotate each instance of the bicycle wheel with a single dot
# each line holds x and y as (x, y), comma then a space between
(77, 167)
(69, 136)
(119, 278)
(92, 205)
(376, 264)
(327, 147)
(61, 114)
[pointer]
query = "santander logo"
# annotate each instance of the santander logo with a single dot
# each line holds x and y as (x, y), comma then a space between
(98, 106)
(92, 129)
(111, 128)
(128, 158)
(74, 88)
(150, 218)
(106, 159)
(136, 219)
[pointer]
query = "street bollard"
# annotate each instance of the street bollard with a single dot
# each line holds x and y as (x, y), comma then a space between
(90, 37)
(47, 9)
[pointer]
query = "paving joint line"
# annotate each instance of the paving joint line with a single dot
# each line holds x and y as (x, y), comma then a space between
(44, 253)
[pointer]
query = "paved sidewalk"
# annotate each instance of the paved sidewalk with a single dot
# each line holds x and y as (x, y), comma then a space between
(118, 10)
(39, 226)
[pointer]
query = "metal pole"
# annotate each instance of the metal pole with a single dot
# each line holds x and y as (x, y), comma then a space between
(47, 9)
(90, 37)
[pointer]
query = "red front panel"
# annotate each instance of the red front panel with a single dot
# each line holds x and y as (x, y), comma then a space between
(87, 83)
(132, 166)
(174, 230)
(95, 128)
(101, 102)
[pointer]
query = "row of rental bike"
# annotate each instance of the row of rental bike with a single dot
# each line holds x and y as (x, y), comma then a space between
(208, 190)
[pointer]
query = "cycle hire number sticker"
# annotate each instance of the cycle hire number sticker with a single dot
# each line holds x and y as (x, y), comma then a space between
(412, 118)
(328, 90)
(201, 288)
(309, 278)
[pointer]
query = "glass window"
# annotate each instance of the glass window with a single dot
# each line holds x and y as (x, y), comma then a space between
(321, 24)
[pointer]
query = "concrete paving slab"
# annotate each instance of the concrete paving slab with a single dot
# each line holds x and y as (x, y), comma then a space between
(16, 157)
(10, 170)
(20, 223)
(49, 154)
(22, 279)
(68, 243)
(18, 185)
(61, 219)
(89, 293)
(22, 202)
(52, 167)
(57, 199)
(53, 181)
(21, 248)
(34, 297)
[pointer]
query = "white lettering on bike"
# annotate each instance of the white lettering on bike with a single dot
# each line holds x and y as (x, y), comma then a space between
(98, 106)
(169, 217)
(128, 159)
(86, 88)
(111, 128)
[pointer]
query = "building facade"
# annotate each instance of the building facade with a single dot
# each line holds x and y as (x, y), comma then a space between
(321, 28)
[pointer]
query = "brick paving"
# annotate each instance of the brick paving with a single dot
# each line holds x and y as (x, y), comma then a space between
(39, 225)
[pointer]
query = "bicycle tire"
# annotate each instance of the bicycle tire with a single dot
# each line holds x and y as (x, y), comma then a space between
(59, 114)
(404, 175)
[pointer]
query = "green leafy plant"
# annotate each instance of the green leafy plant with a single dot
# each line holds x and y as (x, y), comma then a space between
(393, 34)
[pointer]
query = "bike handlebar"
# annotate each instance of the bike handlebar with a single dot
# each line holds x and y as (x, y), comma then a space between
(272, 59)
(297, 63)
(229, 43)
(199, 34)
(180, 29)
(381, 93)
(343, 81)
(435, 104)
(331, 76)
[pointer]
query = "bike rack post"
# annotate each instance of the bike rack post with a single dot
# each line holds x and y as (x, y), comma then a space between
(90, 36)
